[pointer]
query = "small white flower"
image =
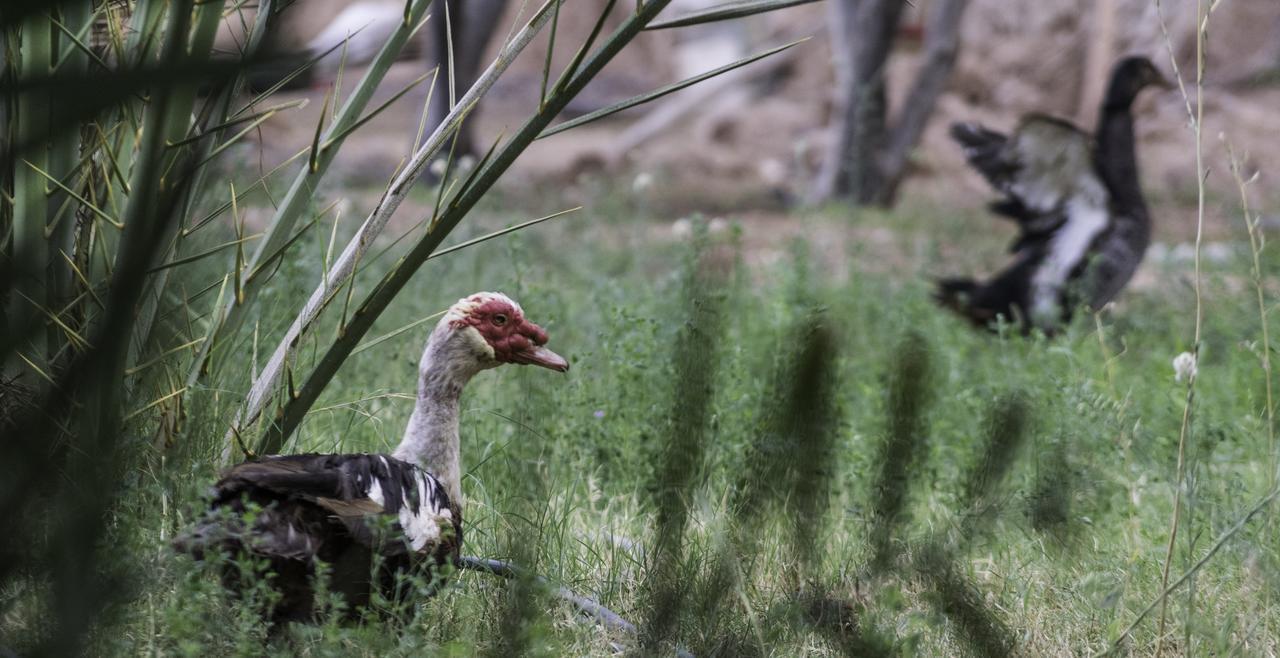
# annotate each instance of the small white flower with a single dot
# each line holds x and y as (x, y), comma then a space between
(1184, 366)
(642, 182)
(682, 228)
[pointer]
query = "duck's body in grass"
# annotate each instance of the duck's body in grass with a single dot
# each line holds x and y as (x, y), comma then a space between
(1083, 223)
(370, 517)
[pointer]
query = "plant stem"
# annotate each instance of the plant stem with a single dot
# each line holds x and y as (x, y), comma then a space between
(1197, 124)
(1257, 241)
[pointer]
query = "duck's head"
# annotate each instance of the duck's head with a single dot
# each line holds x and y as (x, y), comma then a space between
(489, 329)
(1129, 77)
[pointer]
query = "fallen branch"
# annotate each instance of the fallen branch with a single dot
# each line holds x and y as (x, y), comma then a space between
(590, 607)
(585, 605)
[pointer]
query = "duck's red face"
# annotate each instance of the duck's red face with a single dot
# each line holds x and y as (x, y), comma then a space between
(501, 323)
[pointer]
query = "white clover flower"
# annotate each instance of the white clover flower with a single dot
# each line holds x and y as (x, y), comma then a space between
(682, 228)
(642, 182)
(1184, 366)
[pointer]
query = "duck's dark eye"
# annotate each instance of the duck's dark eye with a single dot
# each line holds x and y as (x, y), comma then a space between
(499, 319)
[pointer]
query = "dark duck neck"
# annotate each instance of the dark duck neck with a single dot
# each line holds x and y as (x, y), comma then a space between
(1116, 157)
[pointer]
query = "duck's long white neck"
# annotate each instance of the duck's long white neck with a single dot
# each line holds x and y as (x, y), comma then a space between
(431, 438)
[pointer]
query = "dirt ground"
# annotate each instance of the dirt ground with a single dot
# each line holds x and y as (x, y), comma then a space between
(750, 147)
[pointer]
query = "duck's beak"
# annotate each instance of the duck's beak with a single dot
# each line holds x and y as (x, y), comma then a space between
(537, 355)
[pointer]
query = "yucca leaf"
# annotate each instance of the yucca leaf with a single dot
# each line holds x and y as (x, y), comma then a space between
(501, 232)
(392, 334)
(659, 93)
(72, 335)
(260, 183)
(187, 260)
(30, 248)
(77, 39)
(196, 45)
(280, 229)
(151, 405)
(572, 68)
(104, 148)
(280, 84)
(275, 256)
(475, 171)
(71, 193)
(727, 11)
(161, 356)
(330, 140)
(446, 178)
(35, 368)
(84, 281)
(313, 161)
(256, 118)
(551, 49)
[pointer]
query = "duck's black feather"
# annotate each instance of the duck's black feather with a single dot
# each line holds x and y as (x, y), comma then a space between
(298, 510)
(1083, 225)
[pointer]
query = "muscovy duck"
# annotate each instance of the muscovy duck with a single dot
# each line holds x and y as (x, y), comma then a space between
(295, 511)
(1076, 198)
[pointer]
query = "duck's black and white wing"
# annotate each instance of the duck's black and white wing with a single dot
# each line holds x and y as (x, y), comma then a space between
(299, 496)
(1040, 168)
(1046, 171)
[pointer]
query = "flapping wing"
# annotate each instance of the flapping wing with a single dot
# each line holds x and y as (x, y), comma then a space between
(1045, 170)
(985, 151)
(1054, 164)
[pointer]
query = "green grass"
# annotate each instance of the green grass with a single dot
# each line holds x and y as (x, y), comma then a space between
(565, 472)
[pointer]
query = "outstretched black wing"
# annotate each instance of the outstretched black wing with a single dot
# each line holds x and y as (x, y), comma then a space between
(1046, 171)
(1043, 167)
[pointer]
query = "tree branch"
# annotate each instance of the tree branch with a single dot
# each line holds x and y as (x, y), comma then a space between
(942, 42)
(587, 606)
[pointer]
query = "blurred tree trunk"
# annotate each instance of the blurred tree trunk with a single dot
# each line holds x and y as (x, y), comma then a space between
(468, 29)
(868, 157)
(1099, 55)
